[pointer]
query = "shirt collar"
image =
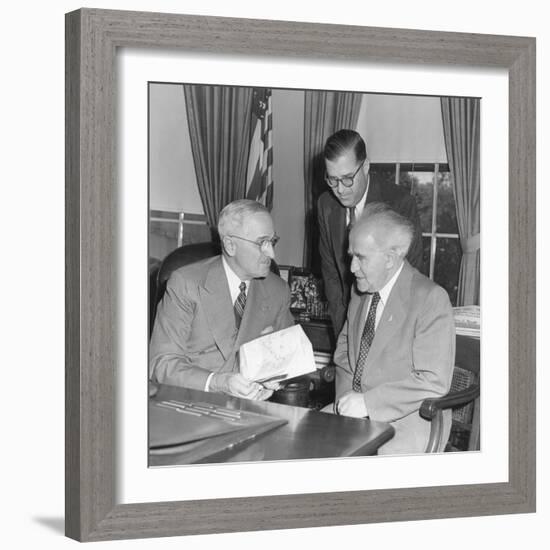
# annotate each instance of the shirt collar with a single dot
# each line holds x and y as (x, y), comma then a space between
(358, 208)
(387, 288)
(361, 204)
(233, 280)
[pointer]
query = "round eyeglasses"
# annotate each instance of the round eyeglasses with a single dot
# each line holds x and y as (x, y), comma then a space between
(346, 181)
(262, 244)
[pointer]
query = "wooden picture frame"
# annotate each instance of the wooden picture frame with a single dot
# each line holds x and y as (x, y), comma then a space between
(92, 39)
(285, 272)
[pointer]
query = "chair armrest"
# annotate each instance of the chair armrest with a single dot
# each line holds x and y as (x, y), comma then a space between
(429, 407)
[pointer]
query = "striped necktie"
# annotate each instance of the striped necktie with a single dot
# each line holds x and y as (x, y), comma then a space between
(240, 302)
(366, 342)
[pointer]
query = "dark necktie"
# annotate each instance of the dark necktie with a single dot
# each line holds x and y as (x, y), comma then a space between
(366, 342)
(240, 302)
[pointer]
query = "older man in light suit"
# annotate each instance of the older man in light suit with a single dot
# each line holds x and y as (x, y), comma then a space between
(212, 307)
(397, 346)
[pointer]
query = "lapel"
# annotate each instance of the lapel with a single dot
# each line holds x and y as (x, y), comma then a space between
(374, 193)
(393, 315)
(216, 301)
(255, 312)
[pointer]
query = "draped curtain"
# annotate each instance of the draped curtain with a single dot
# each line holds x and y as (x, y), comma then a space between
(219, 128)
(461, 127)
(325, 113)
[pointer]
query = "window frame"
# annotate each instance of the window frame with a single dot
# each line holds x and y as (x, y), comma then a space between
(435, 168)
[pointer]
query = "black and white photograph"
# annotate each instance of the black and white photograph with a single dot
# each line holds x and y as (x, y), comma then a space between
(314, 274)
(115, 172)
(111, 168)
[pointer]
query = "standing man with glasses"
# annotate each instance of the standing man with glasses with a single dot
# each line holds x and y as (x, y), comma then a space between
(213, 306)
(351, 187)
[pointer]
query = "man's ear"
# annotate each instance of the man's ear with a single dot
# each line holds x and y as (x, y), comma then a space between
(393, 258)
(366, 167)
(229, 246)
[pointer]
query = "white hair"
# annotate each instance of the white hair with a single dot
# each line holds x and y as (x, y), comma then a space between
(390, 230)
(233, 215)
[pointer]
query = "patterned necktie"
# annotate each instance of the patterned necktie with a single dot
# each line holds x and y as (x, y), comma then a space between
(366, 341)
(240, 302)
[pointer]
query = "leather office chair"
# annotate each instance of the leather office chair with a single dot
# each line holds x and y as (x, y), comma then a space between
(184, 255)
(462, 398)
(154, 266)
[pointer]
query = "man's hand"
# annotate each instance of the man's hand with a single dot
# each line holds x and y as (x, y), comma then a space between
(274, 385)
(352, 404)
(235, 384)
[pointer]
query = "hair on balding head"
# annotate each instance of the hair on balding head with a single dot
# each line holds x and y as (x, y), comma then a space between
(233, 215)
(391, 231)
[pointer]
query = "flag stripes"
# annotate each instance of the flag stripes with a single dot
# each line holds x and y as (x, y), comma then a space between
(259, 184)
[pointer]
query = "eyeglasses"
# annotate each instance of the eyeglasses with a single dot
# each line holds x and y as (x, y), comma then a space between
(263, 244)
(346, 181)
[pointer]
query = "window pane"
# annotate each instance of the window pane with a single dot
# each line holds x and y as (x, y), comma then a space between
(421, 184)
(406, 179)
(447, 264)
(383, 173)
(446, 209)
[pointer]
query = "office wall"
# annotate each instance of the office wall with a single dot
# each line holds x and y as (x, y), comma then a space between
(288, 174)
(173, 184)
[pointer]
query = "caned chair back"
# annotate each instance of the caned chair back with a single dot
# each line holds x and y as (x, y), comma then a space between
(462, 398)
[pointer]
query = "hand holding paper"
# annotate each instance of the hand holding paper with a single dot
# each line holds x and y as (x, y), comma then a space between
(234, 383)
(277, 356)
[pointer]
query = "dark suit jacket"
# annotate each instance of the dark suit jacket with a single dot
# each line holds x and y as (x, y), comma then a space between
(333, 242)
(195, 331)
(411, 357)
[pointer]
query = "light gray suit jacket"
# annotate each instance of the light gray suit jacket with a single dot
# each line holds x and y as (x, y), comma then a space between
(195, 331)
(411, 357)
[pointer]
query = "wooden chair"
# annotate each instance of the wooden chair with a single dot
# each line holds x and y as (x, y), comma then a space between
(462, 398)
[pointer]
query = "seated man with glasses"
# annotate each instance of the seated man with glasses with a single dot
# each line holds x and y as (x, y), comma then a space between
(213, 306)
(351, 187)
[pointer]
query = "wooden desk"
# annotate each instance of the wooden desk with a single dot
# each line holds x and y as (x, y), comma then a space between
(307, 433)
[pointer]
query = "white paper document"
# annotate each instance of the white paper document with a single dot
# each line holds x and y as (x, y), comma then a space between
(279, 355)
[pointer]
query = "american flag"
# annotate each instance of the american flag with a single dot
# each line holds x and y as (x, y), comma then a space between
(259, 178)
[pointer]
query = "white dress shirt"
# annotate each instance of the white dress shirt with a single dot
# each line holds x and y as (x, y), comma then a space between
(384, 296)
(359, 207)
(234, 282)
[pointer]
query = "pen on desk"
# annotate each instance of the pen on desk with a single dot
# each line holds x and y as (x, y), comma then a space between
(178, 409)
